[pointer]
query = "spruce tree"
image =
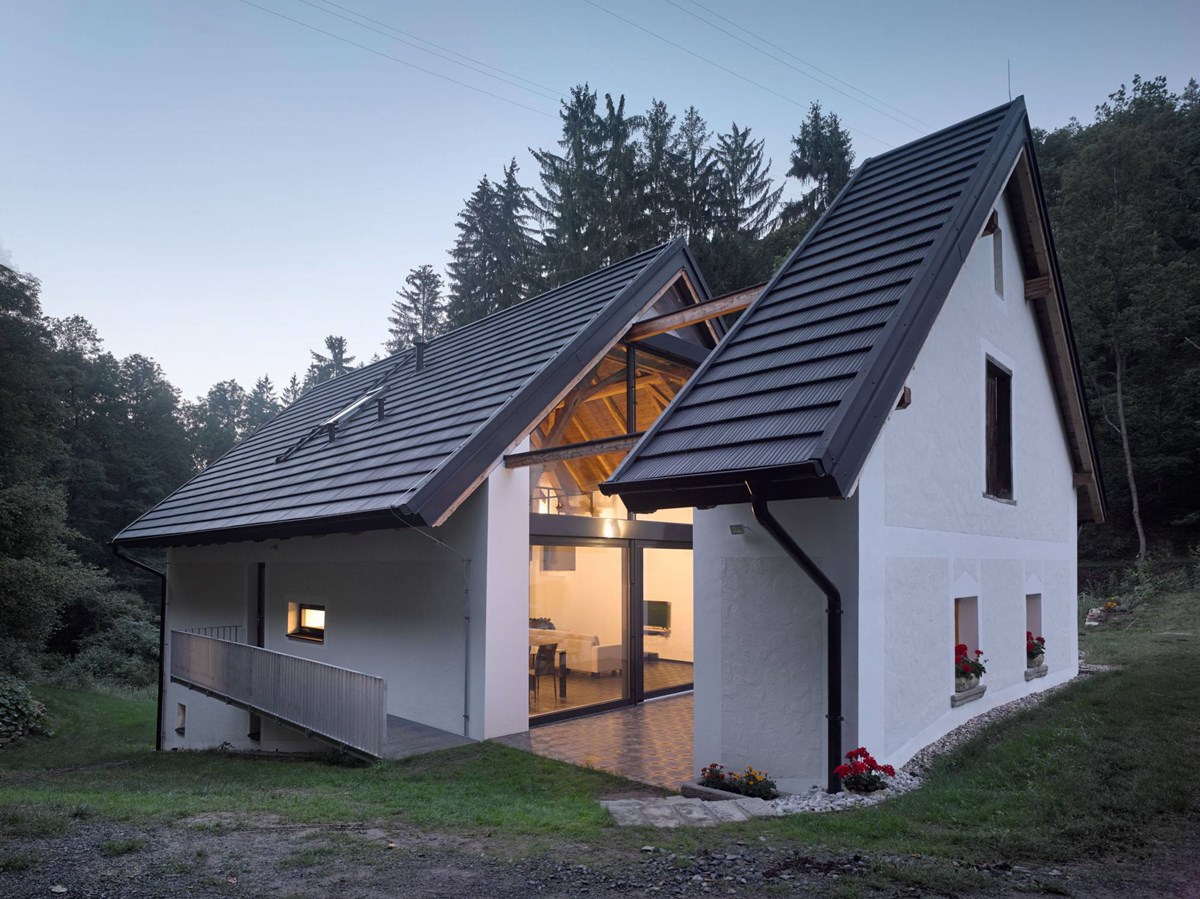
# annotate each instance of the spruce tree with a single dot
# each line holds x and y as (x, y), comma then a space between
(697, 178)
(326, 368)
(570, 205)
(473, 266)
(822, 161)
(261, 405)
(517, 249)
(292, 392)
(420, 312)
(661, 160)
(623, 224)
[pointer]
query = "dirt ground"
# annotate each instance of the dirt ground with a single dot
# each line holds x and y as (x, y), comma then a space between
(223, 856)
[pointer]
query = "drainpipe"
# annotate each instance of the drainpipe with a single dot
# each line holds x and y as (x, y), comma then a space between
(833, 629)
(162, 634)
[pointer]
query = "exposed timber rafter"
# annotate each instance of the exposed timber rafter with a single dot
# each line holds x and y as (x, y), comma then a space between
(572, 451)
(694, 314)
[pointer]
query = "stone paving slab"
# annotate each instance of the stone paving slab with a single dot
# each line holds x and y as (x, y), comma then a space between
(681, 811)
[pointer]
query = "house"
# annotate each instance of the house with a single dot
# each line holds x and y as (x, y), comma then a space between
(601, 496)
(891, 453)
(423, 538)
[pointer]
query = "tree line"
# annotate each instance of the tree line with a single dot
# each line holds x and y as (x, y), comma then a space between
(90, 441)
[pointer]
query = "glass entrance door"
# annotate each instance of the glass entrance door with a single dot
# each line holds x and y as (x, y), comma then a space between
(578, 627)
(666, 604)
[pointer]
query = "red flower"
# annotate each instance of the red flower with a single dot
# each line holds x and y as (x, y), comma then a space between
(842, 770)
(1042, 640)
(888, 770)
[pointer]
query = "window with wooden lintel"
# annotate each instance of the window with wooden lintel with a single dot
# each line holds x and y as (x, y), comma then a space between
(998, 433)
(993, 228)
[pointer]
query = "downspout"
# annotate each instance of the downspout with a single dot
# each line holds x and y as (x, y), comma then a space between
(162, 634)
(833, 629)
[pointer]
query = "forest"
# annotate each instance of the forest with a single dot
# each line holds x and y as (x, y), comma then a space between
(90, 441)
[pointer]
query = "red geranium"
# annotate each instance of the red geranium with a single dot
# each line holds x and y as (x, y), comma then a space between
(862, 773)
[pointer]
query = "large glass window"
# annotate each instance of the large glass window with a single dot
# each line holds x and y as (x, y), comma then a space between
(667, 654)
(628, 385)
(578, 627)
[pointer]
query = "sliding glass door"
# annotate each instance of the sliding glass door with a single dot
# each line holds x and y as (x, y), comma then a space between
(610, 623)
(666, 593)
(578, 627)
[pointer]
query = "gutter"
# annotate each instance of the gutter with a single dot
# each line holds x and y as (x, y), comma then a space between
(833, 632)
(162, 634)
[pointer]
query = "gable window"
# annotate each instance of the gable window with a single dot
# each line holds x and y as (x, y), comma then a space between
(306, 621)
(998, 438)
(993, 228)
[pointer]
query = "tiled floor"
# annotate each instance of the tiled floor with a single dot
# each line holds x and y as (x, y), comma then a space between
(650, 742)
(588, 689)
(405, 738)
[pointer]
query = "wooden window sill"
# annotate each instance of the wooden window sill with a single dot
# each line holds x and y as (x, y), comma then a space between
(1006, 500)
(306, 637)
(957, 699)
(1039, 671)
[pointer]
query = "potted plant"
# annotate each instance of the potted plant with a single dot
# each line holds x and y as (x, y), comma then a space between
(860, 773)
(1035, 650)
(968, 667)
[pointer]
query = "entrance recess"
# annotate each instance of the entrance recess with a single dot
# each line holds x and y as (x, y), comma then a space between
(610, 623)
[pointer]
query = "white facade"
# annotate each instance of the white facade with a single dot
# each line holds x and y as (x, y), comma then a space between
(439, 614)
(917, 534)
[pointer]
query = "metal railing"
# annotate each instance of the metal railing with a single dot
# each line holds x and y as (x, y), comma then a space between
(221, 632)
(340, 706)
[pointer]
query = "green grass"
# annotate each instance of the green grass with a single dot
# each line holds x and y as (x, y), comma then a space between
(1101, 768)
(113, 848)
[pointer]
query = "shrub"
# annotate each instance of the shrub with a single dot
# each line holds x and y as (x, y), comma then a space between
(20, 713)
(749, 783)
(861, 773)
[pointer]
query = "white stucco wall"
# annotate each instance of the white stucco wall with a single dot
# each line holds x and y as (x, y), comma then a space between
(397, 604)
(930, 535)
(917, 533)
(760, 639)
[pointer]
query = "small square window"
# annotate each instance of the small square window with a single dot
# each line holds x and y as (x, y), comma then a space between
(306, 621)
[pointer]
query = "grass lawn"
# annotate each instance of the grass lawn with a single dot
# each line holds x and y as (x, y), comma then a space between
(1103, 767)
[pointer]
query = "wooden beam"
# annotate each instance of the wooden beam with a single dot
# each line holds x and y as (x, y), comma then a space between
(693, 315)
(572, 451)
(1038, 288)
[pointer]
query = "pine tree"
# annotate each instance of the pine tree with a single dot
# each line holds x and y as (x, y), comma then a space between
(746, 198)
(570, 205)
(822, 161)
(744, 204)
(292, 392)
(517, 250)
(697, 178)
(261, 405)
(660, 158)
(326, 368)
(473, 268)
(420, 311)
(495, 260)
(623, 223)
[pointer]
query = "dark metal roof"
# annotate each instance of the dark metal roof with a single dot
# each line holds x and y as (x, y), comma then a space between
(796, 394)
(443, 429)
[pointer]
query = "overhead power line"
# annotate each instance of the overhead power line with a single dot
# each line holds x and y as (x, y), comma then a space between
(788, 52)
(717, 65)
(547, 93)
(403, 62)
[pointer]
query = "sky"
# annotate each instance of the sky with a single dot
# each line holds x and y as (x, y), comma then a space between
(218, 187)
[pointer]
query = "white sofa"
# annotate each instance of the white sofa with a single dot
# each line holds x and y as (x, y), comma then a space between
(584, 651)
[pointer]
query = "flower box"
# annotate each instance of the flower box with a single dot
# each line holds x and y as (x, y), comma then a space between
(964, 683)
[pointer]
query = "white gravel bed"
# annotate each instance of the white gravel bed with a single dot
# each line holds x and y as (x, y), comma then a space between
(909, 777)
(820, 801)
